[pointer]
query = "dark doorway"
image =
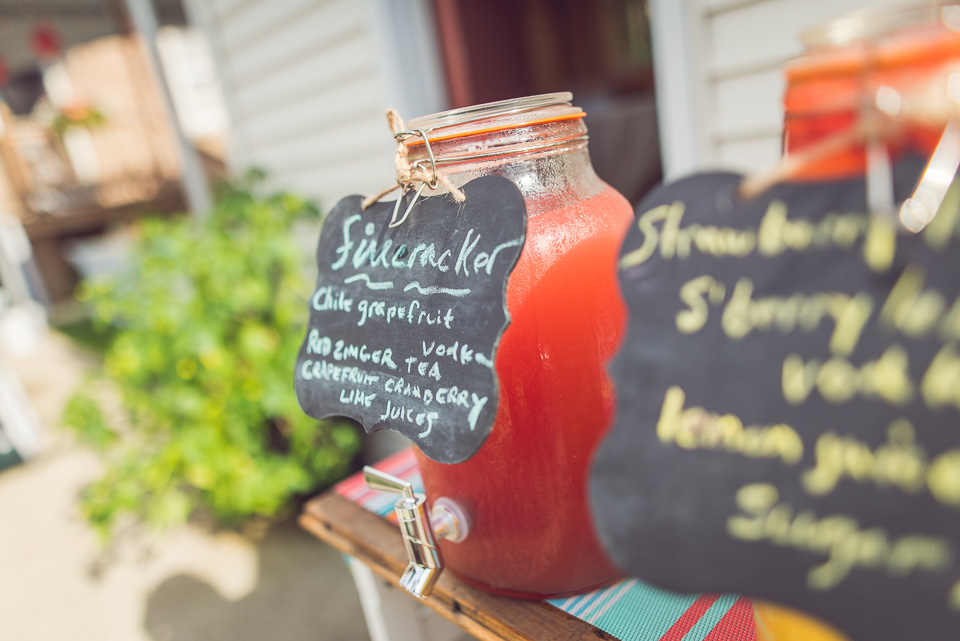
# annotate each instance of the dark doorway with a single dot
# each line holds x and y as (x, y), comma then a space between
(597, 49)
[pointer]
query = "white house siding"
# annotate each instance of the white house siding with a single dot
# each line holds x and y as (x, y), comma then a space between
(739, 49)
(307, 83)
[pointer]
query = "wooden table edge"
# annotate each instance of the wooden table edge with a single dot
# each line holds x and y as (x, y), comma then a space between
(376, 542)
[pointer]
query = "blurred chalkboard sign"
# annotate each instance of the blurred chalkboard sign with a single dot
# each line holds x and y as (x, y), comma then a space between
(789, 404)
(404, 322)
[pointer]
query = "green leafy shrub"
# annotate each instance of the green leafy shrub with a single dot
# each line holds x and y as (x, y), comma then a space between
(207, 322)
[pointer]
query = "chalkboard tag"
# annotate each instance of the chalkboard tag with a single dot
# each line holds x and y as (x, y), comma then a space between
(404, 322)
(788, 404)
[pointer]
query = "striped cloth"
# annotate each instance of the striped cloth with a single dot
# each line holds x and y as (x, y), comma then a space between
(630, 610)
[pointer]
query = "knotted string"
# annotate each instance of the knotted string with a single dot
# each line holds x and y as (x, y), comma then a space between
(409, 174)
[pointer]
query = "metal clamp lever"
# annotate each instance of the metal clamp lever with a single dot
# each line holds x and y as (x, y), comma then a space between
(425, 563)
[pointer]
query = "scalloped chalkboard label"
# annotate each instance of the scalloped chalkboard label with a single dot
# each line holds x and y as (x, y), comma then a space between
(404, 322)
(788, 420)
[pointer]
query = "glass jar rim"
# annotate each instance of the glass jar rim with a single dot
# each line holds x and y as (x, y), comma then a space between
(488, 110)
(493, 117)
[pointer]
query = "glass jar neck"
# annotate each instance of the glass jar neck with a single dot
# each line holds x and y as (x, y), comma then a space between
(841, 79)
(539, 143)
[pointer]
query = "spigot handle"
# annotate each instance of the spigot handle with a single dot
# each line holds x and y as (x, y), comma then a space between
(383, 482)
(411, 509)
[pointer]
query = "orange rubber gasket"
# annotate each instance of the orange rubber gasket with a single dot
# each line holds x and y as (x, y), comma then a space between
(487, 130)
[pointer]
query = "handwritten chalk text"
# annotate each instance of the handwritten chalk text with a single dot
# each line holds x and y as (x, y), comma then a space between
(838, 537)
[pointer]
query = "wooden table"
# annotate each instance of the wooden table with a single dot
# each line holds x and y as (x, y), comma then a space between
(375, 543)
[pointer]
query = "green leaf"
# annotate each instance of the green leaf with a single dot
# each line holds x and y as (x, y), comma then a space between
(206, 325)
(82, 415)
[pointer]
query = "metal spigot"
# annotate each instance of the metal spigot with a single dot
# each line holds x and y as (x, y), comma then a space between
(418, 529)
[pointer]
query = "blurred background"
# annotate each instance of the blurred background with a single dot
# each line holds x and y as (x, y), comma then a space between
(151, 452)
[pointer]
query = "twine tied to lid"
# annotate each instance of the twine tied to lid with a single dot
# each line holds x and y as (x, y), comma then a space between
(424, 172)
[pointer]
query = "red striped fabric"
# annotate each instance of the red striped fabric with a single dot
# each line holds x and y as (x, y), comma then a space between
(689, 618)
(736, 625)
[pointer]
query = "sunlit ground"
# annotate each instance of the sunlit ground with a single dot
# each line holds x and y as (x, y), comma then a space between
(186, 585)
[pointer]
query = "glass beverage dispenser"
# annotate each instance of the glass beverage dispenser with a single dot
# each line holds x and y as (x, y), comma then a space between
(522, 498)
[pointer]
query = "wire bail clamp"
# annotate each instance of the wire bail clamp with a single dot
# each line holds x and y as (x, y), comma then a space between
(417, 167)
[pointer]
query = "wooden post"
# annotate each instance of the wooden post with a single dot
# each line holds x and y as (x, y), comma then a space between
(194, 181)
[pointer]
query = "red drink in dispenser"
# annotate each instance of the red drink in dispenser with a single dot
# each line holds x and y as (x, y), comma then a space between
(525, 490)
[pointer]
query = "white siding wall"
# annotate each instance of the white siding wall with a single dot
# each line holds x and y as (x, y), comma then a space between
(307, 82)
(739, 48)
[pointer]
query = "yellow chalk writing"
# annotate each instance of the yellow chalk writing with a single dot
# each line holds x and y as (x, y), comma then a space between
(940, 385)
(838, 381)
(743, 314)
(949, 328)
(943, 478)
(838, 537)
(696, 428)
(909, 308)
(692, 319)
(943, 226)
(646, 223)
(778, 233)
(899, 462)
(954, 598)
(880, 245)
(674, 240)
